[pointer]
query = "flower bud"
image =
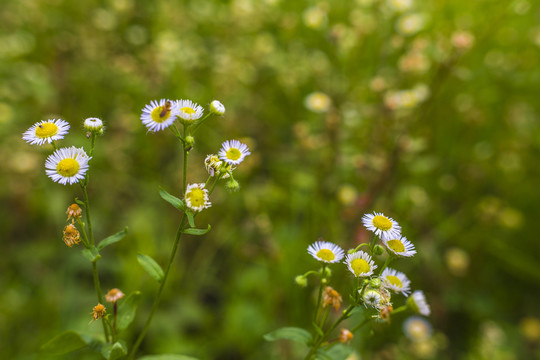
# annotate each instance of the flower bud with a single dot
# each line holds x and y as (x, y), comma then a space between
(375, 283)
(189, 142)
(217, 107)
(94, 125)
(326, 272)
(301, 280)
(232, 185)
(378, 250)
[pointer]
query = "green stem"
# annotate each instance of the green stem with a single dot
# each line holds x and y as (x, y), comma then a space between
(184, 175)
(85, 241)
(115, 313)
(323, 272)
(93, 143)
(196, 126)
(137, 343)
(53, 143)
(95, 275)
(364, 322)
(386, 263)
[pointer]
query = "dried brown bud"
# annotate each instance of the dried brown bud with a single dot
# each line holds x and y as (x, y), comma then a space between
(98, 312)
(114, 295)
(74, 211)
(331, 297)
(345, 336)
(71, 235)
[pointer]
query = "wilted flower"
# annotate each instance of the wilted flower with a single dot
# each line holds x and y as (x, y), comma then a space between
(345, 336)
(331, 297)
(74, 211)
(98, 312)
(71, 235)
(114, 295)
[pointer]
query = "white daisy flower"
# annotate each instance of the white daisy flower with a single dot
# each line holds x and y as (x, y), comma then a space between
(93, 124)
(417, 302)
(360, 264)
(196, 197)
(216, 107)
(46, 131)
(326, 251)
(381, 225)
(396, 281)
(233, 152)
(417, 328)
(188, 111)
(400, 246)
(67, 165)
(372, 298)
(159, 115)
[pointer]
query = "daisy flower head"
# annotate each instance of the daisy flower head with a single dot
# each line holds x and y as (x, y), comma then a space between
(381, 225)
(216, 107)
(360, 264)
(215, 166)
(372, 298)
(417, 302)
(67, 165)
(416, 328)
(159, 114)
(46, 131)
(188, 111)
(93, 124)
(326, 251)
(396, 281)
(196, 197)
(233, 152)
(399, 246)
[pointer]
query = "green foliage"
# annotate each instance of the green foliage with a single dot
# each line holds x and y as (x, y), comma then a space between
(173, 200)
(167, 357)
(112, 239)
(195, 231)
(92, 254)
(289, 333)
(151, 266)
(127, 309)
(114, 351)
(64, 343)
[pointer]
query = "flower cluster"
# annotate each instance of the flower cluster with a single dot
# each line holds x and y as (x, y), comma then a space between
(379, 283)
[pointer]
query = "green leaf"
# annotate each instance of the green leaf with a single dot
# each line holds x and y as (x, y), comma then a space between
(91, 254)
(79, 202)
(289, 333)
(317, 329)
(64, 343)
(151, 266)
(195, 231)
(114, 351)
(112, 239)
(171, 199)
(167, 357)
(336, 352)
(127, 309)
(190, 219)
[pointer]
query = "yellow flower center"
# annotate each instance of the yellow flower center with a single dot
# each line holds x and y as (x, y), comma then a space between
(326, 255)
(396, 245)
(188, 110)
(160, 114)
(382, 223)
(360, 266)
(394, 280)
(46, 130)
(196, 197)
(67, 167)
(233, 154)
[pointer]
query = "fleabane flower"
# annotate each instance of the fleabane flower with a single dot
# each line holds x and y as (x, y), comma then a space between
(46, 131)
(396, 281)
(196, 197)
(360, 264)
(233, 152)
(326, 252)
(399, 246)
(215, 166)
(216, 107)
(373, 298)
(188, 111)
(381, 225)
(159, 114)
(67, 165)
(417, 302)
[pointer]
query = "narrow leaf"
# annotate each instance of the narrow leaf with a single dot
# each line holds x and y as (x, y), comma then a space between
(151, 266)
(336, 352)
(171, 199)
(167, 357)
(127, 309)
(289, 333)
(64, 343)
(91, 254)
(114, 351)
(195, 231)
(318, 329)
(112, 239)
(190, 219)
(79, 202)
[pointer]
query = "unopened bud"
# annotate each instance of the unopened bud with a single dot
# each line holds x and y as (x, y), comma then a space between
(378, 250)
(232, 185)
(217, 108)
(375, 283)
(301, 280)
(326, 272)
(94, 125)
(189, 142)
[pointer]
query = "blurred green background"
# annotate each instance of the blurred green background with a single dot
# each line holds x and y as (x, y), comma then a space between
(426, 111)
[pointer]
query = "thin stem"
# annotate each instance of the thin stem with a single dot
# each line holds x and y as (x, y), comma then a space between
(137, 343)
(115, 313)
(92, 143)
(323, 272)
(53, 143)
(364, 322)
(196, 126)
(83, 231)
(184, 175)
(386, 263)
